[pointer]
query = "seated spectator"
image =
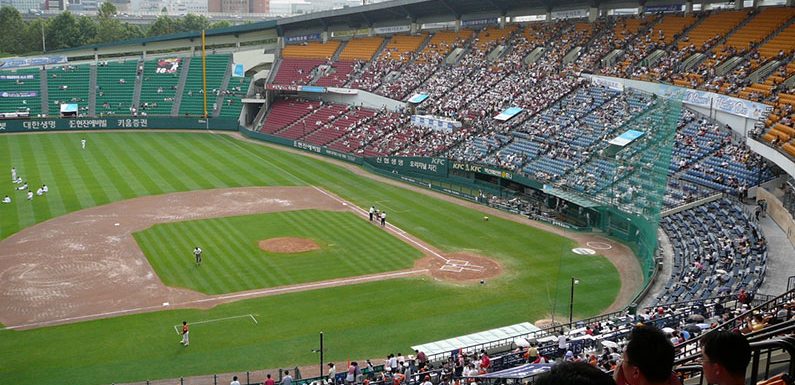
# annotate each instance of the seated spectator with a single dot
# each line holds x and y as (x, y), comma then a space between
(574, 373)
(725, 356)
(648, 359)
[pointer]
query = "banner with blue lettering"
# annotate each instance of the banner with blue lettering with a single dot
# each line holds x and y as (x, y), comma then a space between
(31, 61)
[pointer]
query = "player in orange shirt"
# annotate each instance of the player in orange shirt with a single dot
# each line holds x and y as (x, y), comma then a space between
(185, 334)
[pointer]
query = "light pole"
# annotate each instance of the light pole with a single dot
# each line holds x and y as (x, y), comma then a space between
(574, 281)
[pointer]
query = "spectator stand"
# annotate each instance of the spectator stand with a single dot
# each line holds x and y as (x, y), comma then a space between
(26, 85)
(68, 84)
(115, 87)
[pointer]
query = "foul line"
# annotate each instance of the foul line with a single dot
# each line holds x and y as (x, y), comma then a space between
(216, 320)
(339, 282)
(400, 232)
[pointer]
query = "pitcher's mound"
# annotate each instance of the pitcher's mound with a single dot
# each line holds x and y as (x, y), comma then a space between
(288, 245)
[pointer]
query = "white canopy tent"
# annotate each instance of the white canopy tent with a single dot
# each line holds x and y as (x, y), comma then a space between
(484, 339)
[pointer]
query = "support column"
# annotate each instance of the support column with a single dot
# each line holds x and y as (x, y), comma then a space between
(280, 41)
(324, 36)
(501, 21)
(738, 4)
(549, 15)
(96, 57)
(415, 27)
(688, 7)
(457, 24)
(641, 9)
(593, 13)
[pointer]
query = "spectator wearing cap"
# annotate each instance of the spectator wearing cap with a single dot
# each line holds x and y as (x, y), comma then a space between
(725, 357)
(427, 380)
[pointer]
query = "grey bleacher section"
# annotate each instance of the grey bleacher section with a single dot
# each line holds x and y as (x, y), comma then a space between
(92, 90)
(724, 241)
(219, 100)
(45, 94)
(139, 81)
(180, 86)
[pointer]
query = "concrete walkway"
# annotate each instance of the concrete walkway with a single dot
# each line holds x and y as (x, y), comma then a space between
(780, 258)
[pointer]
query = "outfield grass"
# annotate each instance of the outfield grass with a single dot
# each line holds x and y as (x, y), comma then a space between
(366, 320)
(233, 261)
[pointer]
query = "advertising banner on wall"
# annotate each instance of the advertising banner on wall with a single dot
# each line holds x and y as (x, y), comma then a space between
(168, 66)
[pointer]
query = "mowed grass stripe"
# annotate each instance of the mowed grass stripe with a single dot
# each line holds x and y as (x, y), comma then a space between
(54, 199)
(143, 166)
(201, 231)
(258, 264)
(192, 179)
(155, 165)
(111, 170)
(33, 209)
(262, 158)
(153, 241)
(73, 172)
(109, 184)
(211, 175)
(10, 215)
(22, 210)
(88, 181)
(233, 261)
(185, 268)
(234, 173)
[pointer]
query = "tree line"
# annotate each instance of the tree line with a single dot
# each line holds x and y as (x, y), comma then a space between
(20, 37)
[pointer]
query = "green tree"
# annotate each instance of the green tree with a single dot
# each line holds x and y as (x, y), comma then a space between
(162, 25)
(191, 23)
(87, 30)
(63, 32)
(31, 38)
(11, 30)
(107, 10)
(220, 24)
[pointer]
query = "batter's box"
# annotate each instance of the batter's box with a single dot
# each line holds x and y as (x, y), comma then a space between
(457, 265)
(453, 268)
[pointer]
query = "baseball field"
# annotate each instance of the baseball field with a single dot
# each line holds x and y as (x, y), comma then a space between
(96, 274)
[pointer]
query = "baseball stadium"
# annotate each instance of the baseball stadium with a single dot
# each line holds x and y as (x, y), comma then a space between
(418, 191)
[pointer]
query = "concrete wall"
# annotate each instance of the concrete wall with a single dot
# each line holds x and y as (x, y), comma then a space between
(777, 212)
(252, 58)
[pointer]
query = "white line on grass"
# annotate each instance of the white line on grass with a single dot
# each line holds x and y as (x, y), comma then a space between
(315, 285)
(218, 319)
(400, 232)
